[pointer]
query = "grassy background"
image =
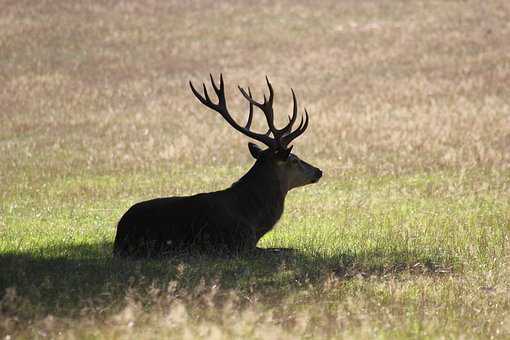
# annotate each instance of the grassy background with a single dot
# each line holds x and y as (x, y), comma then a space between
(405, 236)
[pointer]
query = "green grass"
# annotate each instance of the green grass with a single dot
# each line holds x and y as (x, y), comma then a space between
(408, 245)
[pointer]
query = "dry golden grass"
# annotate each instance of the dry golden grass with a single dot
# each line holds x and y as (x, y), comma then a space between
(395, 89)
(392, 86)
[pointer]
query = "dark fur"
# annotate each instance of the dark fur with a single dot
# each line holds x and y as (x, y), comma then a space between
(231, 220)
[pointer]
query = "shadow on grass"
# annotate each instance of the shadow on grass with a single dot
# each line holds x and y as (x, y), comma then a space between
(49, 282)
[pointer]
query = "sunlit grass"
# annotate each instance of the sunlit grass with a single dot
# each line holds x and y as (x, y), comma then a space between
(356, 247)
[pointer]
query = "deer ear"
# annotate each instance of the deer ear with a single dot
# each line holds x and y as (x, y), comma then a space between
(254, 150)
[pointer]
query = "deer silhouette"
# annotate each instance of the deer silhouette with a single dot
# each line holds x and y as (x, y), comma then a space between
(231, 220)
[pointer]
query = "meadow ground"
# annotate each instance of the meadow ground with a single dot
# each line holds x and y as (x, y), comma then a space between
(407, 235)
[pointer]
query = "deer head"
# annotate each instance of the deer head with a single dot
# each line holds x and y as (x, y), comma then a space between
(292, 172)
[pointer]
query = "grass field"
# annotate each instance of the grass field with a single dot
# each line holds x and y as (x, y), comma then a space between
(406, 235)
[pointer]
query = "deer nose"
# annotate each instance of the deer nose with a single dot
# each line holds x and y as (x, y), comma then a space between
(318, 175)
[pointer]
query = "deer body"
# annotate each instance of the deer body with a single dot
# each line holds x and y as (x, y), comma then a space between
(231, 220)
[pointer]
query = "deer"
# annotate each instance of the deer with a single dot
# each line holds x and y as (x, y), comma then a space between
(229, 221)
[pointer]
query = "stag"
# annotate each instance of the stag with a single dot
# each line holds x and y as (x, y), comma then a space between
(231, 220)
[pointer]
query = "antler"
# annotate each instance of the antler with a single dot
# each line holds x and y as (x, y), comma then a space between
(221, 108)
(282, 137)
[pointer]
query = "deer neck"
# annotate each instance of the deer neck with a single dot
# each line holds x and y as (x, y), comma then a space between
(261, 196)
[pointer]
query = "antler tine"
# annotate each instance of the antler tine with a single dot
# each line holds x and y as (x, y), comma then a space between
(266, 108)
(206, 100)
(271, 92)
(221, 95)
(287, 139)
(294, 108)
(269, 110)
(250, 116)
(288, 128)
(216, 89)
(198, 95)
(248, 97)
(206, 94)
(220, 92)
